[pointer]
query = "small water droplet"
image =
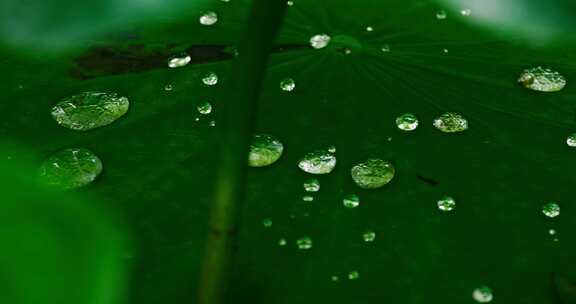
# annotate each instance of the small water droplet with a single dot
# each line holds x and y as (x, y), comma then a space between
(369, 236)
(318, 162)
(71, 168)
(290, 3)
(89, 110)
(208, 18)
(351, 201)
(308, 198)
(168, 87)
(441, 15)
(332, 149)
(542, 79)
(353, 275)
(451, 123)
(287, 84)
(320, 41)
(369, 29)
(372, 173)
(265, 150)
(304, 243)
(179, 60)
(282, 242)
(385, 48)
(482, 294)
(204, 108)
(212, 123)
(267, 222)
(445, 51)
(446, 203)
(552, 232)
(551, 209)
(466, 12)
(571, 140)
(407, 122)
(312, 185)
(210, 79)
(334, 278)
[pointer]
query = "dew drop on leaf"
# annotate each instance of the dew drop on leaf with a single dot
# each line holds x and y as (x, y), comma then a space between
(204, 108)
(208, 18)
(210, 79)
(168, 87)
(351, 201)
(482, 294)
(318, 162)
(542, 79)
(407, 122)
(385, 48)
(282, 242)
(312, 185)
(369, 29)
(212, 123)
(267, 222)
(289, 2)
(287, 84)
(372, 173)
(441, 15)
(304, 243)
(308, 198)
(179, 60)
(334, 278)
(571, 140)
(89, 110)
(265, 150)
(551, 209)
(369, 236)
(446, 203)
(466, 12)
(70, 168)
(320, 41)
(552, 231)
(353, 275)
(451, 123)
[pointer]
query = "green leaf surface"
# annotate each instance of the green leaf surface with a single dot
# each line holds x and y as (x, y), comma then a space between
(160, 162)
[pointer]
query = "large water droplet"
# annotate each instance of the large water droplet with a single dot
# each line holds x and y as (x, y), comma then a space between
(210, 79)
(287, 84)
(208, 18)
(205, 108)
(446, 203)
(318, 162)
(304, 243)
(551, 209)
(571, 140)
(264, 150)
(312, 185)
(71, 168)
(351, 201)
(451, 123)
(407, 122)
(373, 173)
(179, 60)
(320, 41)
(353, 275)
(89, 110)
(369, 236)
(542, 79)
(482, 294)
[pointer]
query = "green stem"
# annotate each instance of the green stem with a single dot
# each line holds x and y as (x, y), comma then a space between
(247, 74)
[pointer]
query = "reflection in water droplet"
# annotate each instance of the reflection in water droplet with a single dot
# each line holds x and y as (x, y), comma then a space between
(551, 209)
(441, 15)
(312, 185)
(353, 275)
(210, 79)
(571, 140)
(204, 108)
(308, 198)
(179, 60)
(482, 294)
(446, 203)
(89, 110)
(542, 79)
(373, 173)
(70, 168)
(265, 149)
(369, 236)
(351, 201)
(407, 122)
(320, 41)
(208, 18)
(451, 123)
(287, 84)
(318, 162)
(304, 243)
(267, 222)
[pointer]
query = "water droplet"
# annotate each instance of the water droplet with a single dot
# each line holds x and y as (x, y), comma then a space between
(318, 162)
(71, 168)
(179, 60)
(552, 232)
(304, 243)
(542, 80)
(287, 84)
(282, 242)
(571, 140)
(308, 198)
(446, 203)
(482, 294)
(451, 123)
(205, 108)
(210, 79)
(351, 201)
(208, 18)
(369, 29)
(407, 122)
(168, 87)
(441, 15)
(267, 222)
(312, 185)
(212, 123)
(89, 110)
(369, 236)
(373, 173)
(385, 48)
(466, 12)
(265, 150)
(332, 149)
(334, 278)
(290, 3)
(320, 41)
(445, 51)
(353, 275)
(551, 209)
